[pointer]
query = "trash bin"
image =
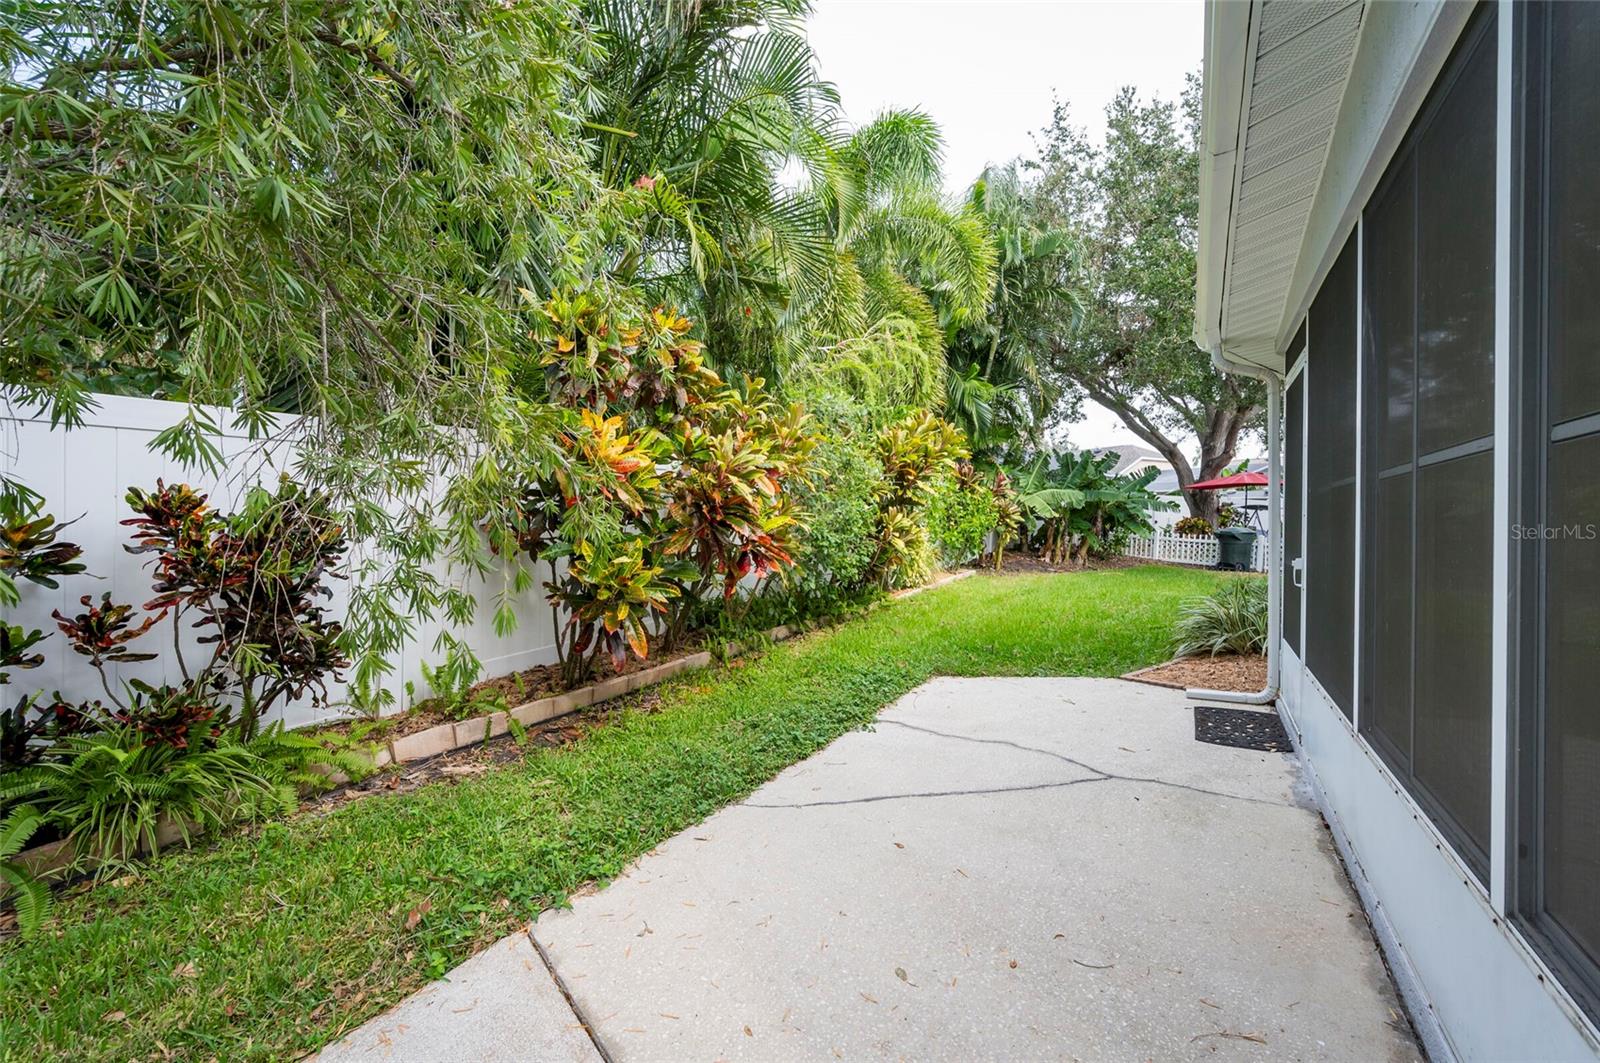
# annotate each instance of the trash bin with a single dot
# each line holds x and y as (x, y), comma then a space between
(1236, 548)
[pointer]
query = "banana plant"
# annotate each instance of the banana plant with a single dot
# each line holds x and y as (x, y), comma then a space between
(1080, 507)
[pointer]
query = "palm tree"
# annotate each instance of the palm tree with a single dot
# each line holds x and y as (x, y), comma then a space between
(911, 266)
(998, 392)
(698, 106)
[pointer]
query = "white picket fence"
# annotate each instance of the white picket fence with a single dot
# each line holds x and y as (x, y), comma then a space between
(1199, 550)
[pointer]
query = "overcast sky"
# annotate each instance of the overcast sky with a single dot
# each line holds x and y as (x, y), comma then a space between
(985, 71)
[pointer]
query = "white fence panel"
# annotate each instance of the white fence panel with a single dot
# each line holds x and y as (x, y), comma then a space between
(1199, 550)
(84, 475)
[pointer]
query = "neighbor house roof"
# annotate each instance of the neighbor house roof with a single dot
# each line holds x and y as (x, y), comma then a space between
(1295, 131)
(1129, 455)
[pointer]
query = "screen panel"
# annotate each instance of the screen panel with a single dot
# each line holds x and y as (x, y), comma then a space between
(1294, 462)
(1386, 711)
(1454, 635)
(1571, 746)
(1330, 482)
(1455, 256)
(1574, 238)
(1557, 710)
(1428, 537)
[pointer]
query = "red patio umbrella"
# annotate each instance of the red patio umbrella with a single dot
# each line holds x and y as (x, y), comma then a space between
(1223, 483)
(1245, 480)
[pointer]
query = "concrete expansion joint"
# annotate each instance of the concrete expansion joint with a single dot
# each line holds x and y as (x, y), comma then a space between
(1097, 775)
(572, 1002)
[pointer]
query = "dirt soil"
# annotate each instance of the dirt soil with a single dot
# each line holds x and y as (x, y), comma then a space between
(482, 756)
(1246, 673)
(506, 691)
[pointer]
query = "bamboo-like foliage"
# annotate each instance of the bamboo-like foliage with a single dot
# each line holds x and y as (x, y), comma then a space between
(288, 206)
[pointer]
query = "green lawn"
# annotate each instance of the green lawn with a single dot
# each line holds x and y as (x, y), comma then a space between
(268, 944)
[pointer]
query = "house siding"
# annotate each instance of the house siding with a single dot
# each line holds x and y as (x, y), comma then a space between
(1445, 896)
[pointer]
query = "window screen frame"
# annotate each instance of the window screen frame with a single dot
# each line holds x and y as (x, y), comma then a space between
(1294, 497)
(1473, 855)
(1329, 540)
(1533, 428)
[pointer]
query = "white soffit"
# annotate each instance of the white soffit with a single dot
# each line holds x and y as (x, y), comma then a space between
(1296, 69)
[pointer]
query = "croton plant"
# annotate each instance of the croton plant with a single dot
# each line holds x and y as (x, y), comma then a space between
(694, 470)
(252, 583)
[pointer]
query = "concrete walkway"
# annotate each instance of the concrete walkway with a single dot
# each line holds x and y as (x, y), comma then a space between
(1001, 869)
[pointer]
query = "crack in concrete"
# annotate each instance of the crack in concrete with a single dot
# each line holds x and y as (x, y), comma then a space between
(934, 793)
(997, 742)
(1099, 775)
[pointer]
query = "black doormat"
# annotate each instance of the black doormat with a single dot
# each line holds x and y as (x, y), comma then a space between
(1241, 728)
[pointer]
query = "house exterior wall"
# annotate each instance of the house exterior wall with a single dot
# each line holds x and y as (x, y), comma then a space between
(1475, 967)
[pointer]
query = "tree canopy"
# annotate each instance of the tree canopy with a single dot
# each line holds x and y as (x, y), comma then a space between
(1134, 202)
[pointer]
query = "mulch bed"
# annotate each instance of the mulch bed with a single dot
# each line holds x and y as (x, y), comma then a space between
(515, 688)
(481, 757)
(1241, 729)
(1246, 673)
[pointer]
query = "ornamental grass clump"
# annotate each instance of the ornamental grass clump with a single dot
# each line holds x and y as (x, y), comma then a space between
(1231, 619)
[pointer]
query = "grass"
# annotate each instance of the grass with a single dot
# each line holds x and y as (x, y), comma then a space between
(271, 943)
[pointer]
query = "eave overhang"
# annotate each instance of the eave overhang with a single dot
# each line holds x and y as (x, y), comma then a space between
(1303, 103)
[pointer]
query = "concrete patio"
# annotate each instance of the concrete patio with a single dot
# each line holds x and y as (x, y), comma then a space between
(1002, 868)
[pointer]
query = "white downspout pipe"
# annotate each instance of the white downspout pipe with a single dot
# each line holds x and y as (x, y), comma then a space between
(1269, 694)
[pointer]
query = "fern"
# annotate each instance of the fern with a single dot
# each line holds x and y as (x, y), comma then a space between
(304, 763)
(111, 793)
(29, 896)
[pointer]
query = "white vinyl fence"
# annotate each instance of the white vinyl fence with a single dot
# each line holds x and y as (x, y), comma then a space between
(1199, 550)
(84, 475)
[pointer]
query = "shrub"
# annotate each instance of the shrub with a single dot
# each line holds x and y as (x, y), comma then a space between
(960, 516)
(1192, 526)
(1007, 515)
(1079, 508)
(1231, 619)
(610, 598)
(255, 578)
(188, 752)
(685, 477)
(915, 453)
(837, 503)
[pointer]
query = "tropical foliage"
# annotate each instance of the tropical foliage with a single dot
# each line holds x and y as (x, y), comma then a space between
(1231, 619)
(189, 752)
(599, 298)
(1133, 200)
(1073, 507)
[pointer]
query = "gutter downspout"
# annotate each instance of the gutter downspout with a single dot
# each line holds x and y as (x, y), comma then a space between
(1269, 694)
